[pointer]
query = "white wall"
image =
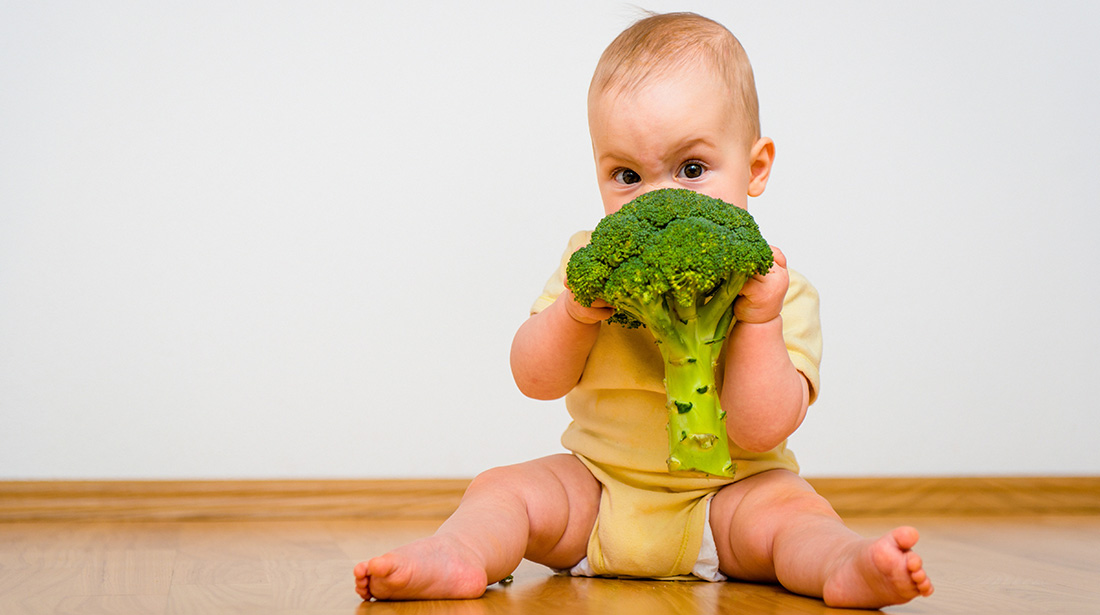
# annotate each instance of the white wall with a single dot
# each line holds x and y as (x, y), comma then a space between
(257, 239)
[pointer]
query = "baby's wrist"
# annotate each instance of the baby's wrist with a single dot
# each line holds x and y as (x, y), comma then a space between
(582, 319)
(761, 320)
(577, 313)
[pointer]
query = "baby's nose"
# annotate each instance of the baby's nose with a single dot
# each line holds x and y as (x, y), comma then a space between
(651, 186)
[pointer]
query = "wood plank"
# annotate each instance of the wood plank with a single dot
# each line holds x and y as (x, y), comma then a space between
(1006, 565)
(436, 499)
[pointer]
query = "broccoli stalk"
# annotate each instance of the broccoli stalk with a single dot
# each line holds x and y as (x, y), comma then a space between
(674, 261)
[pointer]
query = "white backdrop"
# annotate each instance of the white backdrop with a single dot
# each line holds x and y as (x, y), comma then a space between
(263, 240)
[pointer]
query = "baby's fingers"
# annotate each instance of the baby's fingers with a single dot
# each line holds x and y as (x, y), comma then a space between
(779, 258)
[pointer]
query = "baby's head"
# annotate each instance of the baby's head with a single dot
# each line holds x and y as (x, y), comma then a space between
(660, 46)
(673, 104)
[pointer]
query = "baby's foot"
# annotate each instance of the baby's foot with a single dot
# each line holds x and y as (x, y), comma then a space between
(433, 568)
(879, 573)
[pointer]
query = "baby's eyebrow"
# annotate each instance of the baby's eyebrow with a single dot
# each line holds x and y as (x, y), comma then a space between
(694, 142)
(614, 157)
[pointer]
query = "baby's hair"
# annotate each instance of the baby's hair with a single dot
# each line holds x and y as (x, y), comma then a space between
(660, 44)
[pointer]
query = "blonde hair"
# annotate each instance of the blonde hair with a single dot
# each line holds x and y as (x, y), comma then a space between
(659, 44)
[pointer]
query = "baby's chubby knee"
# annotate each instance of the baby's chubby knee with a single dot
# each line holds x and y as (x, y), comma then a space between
(559, 498)
(768, 497)
(506, 485)
(746, 517)
(545, 483)
(496, 477)
(540, 474)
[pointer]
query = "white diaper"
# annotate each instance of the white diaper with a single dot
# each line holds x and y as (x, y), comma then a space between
(706, 566)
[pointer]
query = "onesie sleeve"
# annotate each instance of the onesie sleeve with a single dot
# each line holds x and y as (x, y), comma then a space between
(556, 284)
(802, 329)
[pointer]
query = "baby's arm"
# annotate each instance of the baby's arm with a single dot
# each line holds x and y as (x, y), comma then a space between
(766, 397)
(551, 347)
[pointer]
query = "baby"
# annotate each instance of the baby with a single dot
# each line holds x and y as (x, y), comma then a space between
(672, 105)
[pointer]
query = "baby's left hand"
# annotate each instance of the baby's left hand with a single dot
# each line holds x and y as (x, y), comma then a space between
(762, 296)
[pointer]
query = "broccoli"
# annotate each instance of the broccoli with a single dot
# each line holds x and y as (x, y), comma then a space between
(673, 261)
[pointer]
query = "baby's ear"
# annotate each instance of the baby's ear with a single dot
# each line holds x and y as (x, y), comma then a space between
(761, 157)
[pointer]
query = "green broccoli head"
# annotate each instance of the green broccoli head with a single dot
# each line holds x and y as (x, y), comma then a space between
(674, 261)
(670, 250)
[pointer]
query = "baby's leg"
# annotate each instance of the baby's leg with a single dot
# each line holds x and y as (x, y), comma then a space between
(774, 527)
(543, 510)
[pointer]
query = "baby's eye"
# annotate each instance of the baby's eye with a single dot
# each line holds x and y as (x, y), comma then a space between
(627, 176)
(692, 170)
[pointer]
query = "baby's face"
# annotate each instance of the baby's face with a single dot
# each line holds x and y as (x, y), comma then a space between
(673, 133)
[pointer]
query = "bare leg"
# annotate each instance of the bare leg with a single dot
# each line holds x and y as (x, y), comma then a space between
(774, 528)
(543, 510)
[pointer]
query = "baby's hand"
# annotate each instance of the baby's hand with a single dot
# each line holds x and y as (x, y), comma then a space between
(762, 295)
(599, 311)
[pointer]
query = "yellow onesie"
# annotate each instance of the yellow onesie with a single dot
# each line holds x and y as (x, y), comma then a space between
(650, 522)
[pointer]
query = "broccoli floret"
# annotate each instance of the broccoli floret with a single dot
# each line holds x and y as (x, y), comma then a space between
(674, 261)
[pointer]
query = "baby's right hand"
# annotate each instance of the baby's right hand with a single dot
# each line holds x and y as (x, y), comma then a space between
(598, 312)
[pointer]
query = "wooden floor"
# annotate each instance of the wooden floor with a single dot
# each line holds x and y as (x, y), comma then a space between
(990, 565)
